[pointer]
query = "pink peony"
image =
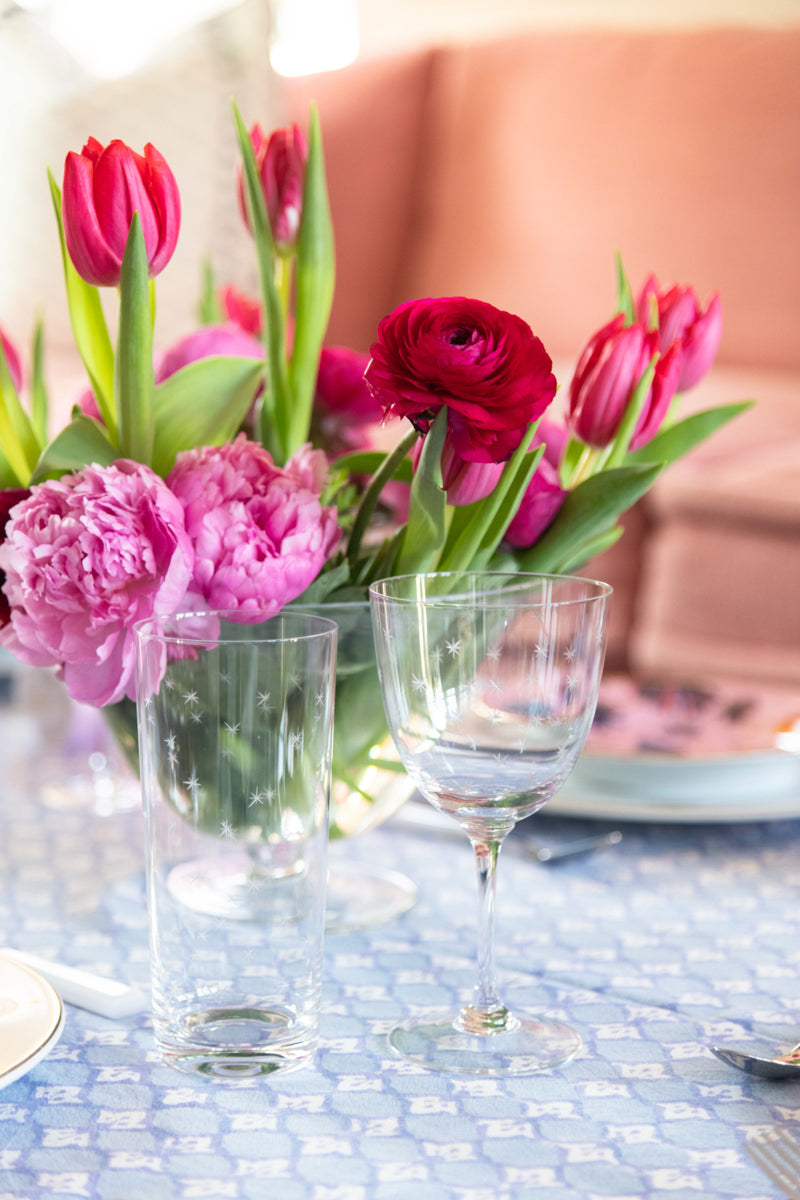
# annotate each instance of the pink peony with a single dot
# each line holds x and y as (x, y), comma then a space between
(260, 534)
(85, 557)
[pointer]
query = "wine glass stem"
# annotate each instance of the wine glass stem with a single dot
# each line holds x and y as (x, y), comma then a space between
(486, 1014)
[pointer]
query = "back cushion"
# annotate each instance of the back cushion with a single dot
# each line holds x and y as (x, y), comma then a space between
(546, 153)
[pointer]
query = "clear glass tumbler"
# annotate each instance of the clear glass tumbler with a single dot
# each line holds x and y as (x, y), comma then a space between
(235, 742)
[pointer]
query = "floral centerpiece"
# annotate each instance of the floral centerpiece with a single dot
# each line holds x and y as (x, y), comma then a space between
(239, 469)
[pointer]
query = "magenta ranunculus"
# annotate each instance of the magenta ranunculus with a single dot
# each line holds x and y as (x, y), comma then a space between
(12, 361)
(281, 162)
(103, 188)
(85, 557)
(606, 376)
(341, 389)
(484, 365)
(681, 319)
(260, 534)
(205, 342)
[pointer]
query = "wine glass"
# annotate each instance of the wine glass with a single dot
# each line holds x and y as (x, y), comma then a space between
(490, 683)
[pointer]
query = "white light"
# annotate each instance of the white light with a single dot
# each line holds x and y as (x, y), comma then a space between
(314, 35)
(111, 40)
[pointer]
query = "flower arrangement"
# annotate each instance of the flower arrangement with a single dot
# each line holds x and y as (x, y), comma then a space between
(239, 469)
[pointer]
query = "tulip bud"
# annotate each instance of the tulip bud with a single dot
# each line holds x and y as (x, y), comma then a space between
(12, 361)
(281, 161)
(539, 505)
(606, 377)
(680, 319)
(207, 342)
(103, 188)
(464, 482)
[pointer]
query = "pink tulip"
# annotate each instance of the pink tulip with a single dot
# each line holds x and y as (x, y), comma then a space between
(680, 319)
(103, 188)
(542, 500)
(608, 371)
(12, 361)
(281, 162)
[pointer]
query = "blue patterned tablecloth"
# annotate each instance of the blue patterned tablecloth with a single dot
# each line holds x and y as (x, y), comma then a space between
(679, 937)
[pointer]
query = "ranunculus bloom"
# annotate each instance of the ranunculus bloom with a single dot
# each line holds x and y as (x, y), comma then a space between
(484, 365)
(12, 361)
(542, 500)
(205, 342)
(244, 311)
(608, 371)
(681, 319)
(86, 556)
(259, 533)
(9, 498)
(103, 188)
(281, 161)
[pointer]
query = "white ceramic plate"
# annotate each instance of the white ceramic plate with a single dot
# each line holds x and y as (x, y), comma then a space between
(624, 807)
(31, 1020)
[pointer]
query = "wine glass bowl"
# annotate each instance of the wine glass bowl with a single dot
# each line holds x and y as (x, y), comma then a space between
(490, 682)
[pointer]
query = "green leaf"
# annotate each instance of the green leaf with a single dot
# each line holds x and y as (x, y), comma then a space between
(203, 404)
(367, 462)
(625, 302)
(277, 405)
(82, 441)
(17, 438)
(133, 368)
(209, 310)
(315, 279)
(427, 512)
(384, 473)
(587, 511)
(39, 400)
(589, 549)
(88, 326)
(477, 528)
(670, 444)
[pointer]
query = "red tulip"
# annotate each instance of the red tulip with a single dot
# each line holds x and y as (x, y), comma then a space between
(243, 310)
(103, 188)
(680, 319)
(281, 161)
(607, 374)
(12, 361)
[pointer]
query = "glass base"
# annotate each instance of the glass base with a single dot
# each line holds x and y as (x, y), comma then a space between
(360, 896)
(523, 1047)
(234, 1043)
(238, 888)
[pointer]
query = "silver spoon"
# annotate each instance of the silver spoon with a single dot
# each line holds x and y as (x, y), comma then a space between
(782, 1066)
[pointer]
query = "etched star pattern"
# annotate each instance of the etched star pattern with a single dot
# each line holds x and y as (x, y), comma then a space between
(190, 697)
(263, 701)
(226, 830)
(417, 683)
(231, 728)
(454, 647)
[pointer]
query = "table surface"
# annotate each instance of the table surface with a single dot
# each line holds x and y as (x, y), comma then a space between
(679, 937)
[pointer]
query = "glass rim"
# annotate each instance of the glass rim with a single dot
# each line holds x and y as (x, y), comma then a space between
(520, 581)
(146, 629)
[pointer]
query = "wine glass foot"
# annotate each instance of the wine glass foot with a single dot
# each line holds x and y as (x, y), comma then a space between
(437, 1043)
(360, 896)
